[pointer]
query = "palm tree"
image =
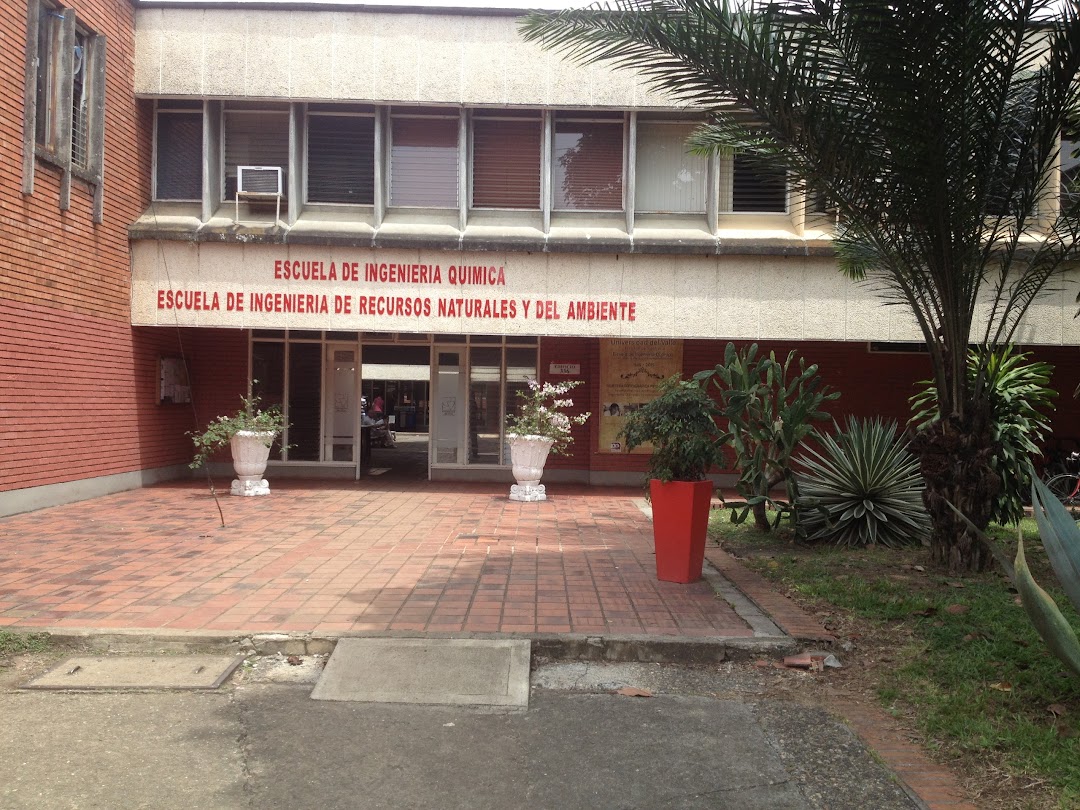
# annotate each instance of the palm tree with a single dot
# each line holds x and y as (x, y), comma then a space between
(931, 126)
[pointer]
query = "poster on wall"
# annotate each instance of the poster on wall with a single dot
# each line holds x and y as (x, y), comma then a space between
(630, 371)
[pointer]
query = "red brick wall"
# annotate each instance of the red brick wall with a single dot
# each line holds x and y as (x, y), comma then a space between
(77, 382)
(870, 384)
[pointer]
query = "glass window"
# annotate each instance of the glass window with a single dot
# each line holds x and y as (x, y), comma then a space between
(756, 189)
(69, 74)
(305, 393)
(424, 162)
(506, 163)
(1070, 169)
(520, 368)
(81, 91)
(268, 379)
(341, 159)
(485, 407)
(254, 139)
(587, 166)
(669, 178)
(179, 155)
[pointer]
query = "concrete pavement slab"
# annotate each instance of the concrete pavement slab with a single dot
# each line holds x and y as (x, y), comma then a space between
(566, 752)
(159, 750)
(707, 740)
(138, 672)
(485, 672)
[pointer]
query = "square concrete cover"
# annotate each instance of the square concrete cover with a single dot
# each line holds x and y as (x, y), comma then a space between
(470, 672)
(138, 672)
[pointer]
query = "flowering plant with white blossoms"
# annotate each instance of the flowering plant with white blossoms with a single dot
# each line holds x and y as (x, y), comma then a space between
(541, 414)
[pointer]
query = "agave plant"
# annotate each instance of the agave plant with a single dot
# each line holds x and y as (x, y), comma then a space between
(862, 488)
(1061, 539)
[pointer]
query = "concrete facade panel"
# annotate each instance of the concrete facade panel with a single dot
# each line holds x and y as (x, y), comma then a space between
(182, 53)
(408, 58)
(395, 59)
(267, 49)
(311, 56)
(224, 55)
(781, 301)
(353, 69)
(737, 312)
(148, 58)
(749, 296)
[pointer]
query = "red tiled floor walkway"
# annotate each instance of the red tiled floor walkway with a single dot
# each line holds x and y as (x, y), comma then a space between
(339, 557)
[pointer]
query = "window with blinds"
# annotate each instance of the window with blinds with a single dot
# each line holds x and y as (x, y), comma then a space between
(341, 159)
(669, 179)
(1070, 169)
(587, 165)
(254, 139)
(506, 163)
(756, 189)
(179, 156)
(424, 162)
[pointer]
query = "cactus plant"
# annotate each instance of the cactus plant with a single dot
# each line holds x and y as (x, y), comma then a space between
(769, 406)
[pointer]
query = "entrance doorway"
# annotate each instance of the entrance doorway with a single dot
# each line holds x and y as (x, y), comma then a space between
(444, 398)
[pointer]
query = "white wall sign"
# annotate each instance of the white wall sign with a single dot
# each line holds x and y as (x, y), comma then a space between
(571, 369)
(759, 297)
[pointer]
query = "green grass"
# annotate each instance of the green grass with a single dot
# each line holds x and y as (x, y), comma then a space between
(16, 643)
(979, 682)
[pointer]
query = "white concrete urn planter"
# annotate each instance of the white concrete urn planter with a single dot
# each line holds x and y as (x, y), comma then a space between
(250, 452)
(528, 454)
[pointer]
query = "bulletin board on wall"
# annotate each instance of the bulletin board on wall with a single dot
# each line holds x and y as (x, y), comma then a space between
(631, 371)
(174, 388)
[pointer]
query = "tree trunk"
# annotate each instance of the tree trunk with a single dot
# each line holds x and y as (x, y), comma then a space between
(761, 517)
(954, 456)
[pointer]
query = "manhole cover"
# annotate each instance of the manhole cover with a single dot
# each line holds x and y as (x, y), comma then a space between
(138, 672)
(470, 672)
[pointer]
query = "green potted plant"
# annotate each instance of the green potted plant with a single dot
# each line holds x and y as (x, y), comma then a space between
(680, 426)
(537, 428)
(249, 433)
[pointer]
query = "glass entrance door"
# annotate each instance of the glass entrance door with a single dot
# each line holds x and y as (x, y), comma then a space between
(449, 405)
(342, 403)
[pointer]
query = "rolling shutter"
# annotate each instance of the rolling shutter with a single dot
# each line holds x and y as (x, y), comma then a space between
(341, 159)
(179, 156)
(588, 166)
(424, 162)
(506, 164)
(756, 189)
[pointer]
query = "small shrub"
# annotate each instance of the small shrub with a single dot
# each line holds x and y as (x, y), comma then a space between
(680, 425)
(540, 413)
(863, 488)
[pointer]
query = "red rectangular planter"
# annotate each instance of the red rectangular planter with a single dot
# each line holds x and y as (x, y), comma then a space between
(680, 521)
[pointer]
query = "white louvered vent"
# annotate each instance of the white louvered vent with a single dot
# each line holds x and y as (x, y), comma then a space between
(259, 180)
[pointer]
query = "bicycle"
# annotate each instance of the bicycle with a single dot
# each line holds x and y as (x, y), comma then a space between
(1065, 486)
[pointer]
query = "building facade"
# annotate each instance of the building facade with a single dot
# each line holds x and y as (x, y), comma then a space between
(330, 203)
(76, 412)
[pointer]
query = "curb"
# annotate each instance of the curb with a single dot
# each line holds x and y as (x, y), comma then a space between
(557, 647)
(791, 619)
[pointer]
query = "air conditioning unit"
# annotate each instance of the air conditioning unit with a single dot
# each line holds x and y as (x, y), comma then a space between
(265, 180)
(260, 183)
